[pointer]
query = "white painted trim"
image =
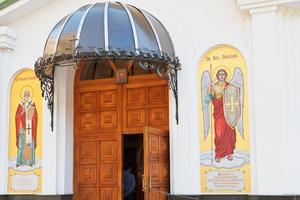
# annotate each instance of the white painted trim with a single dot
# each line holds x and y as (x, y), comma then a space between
(136, 43)
(60, 32)
(19, 9)
(168, 34)
(63, 127)
(154, 31)
(106, 26)
(251, 4)
(7, 39)
(81, 24)
(263, 10)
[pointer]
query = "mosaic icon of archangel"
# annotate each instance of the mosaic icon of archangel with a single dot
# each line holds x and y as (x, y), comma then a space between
(226, 112)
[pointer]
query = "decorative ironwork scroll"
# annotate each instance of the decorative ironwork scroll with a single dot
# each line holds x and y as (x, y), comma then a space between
(47, 86)
(165, 66)
(174, 86)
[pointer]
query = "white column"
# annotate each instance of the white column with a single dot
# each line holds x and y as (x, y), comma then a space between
(289, 42)
(64, 93)
(49, 173)
(275, 51)
(184, 137)
(7, 45)
(267, 83)
(58, 145)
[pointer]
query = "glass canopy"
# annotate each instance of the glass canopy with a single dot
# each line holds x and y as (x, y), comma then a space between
(108, 31)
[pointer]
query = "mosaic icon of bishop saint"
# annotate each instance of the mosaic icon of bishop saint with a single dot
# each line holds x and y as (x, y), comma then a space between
(26, 119)
(227, 100)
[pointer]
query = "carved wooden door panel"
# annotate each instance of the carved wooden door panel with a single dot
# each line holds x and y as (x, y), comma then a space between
(145, 103)
(156, 163)
(97, 148)
(103, 111)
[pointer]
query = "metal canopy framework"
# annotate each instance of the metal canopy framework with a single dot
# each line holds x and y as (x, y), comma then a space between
(104, 31)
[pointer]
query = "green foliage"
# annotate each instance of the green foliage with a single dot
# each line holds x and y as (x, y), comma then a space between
(6, 3)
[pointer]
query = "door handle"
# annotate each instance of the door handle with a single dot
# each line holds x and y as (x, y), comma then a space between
(150, 183)
(143, 184)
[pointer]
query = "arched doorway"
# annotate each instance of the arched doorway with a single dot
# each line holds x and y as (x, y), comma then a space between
(111, 126)
(121, 50)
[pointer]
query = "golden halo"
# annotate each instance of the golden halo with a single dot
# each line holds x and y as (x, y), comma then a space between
(216, 69)
(28, 88)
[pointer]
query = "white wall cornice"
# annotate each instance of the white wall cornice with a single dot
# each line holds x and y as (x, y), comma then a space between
(7, 39)
(261, 4)
(19, 9)
(263, 9)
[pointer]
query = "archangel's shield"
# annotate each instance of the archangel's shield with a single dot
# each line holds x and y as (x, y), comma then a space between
(232, 105)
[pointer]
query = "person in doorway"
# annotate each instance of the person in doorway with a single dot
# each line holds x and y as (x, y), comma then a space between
(129, 182)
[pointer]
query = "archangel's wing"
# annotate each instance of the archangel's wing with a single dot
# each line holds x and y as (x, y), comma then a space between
(205, 83)
(238, 81)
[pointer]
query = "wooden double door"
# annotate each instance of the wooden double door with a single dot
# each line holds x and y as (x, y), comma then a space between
(103, 112)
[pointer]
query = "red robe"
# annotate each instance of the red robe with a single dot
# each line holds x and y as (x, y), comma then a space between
(20, 118)
(225, 136)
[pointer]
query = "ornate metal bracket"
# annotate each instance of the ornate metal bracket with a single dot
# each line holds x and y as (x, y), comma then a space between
(47, 86)
(166, 67)
(174, 86)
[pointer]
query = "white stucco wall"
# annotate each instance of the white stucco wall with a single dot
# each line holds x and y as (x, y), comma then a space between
(266, 37)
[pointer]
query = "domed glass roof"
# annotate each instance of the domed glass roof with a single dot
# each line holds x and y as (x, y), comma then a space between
(112, 31)
(105, 30)
(109, 26)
